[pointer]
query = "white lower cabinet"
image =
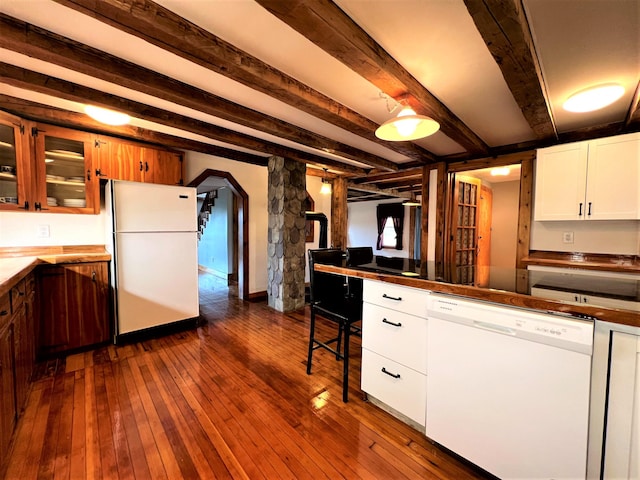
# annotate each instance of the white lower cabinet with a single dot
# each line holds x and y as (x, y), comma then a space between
(394, 340)
(622, 439)
(394, 384)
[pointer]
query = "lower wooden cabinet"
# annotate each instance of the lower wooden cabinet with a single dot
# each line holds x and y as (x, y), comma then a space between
(17, 356)
(7, 387)
(73, 307)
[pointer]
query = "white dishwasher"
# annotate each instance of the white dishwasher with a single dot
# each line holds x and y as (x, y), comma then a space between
(508, 388)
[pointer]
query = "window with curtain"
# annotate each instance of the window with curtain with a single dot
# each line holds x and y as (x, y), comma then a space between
(390, 218)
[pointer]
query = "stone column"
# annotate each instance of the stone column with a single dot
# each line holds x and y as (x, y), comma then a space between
(286, 239)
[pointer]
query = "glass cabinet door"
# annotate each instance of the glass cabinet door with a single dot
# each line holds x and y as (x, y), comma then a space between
(64, 158)
(13, 178)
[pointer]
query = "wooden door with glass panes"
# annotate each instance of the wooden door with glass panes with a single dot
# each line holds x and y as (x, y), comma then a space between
(15, 164)
(65, 180)
(464, 229)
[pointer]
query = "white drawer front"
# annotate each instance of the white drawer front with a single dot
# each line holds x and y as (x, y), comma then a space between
(404, 299)
(406, 394)
(395, 335)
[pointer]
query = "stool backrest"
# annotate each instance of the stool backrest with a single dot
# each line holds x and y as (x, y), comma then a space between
(326, 287)
(359, 256)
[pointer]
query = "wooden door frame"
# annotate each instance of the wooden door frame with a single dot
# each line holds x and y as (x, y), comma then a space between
(525, 159)
(242, 245)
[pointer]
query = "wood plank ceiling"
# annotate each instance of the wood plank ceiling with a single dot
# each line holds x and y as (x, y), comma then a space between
(311, 80)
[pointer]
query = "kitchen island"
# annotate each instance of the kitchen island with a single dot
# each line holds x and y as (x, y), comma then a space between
(510, 287)
(473, 367)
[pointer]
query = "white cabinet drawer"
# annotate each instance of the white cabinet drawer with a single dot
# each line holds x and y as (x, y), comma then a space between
(397, 297)
(406, 393)
(395, 335)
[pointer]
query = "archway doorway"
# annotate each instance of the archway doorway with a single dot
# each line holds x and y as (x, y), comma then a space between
(210, 180)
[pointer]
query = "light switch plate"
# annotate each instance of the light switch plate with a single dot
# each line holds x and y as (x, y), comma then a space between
(43, 231)
(567, 237)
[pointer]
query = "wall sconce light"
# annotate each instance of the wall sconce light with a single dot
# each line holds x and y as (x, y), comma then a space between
(407, 125)
(325, 189)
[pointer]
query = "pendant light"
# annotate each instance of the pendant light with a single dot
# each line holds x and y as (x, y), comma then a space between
(412, 201)
(407, 125)
(325, 189)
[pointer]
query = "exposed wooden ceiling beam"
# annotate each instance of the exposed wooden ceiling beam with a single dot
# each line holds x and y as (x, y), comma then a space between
(379, 191)
(161, 27)
(38, 43)
(30, 80)
(505, 30)
(382, 177)
(57, 116)
(326, 25)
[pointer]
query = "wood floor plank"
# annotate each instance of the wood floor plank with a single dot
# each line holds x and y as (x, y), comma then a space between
(229, 399)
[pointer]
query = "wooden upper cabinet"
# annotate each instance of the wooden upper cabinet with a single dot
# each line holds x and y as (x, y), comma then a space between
(123, 160)
(162, 166)
(64, 164)
(16, 174)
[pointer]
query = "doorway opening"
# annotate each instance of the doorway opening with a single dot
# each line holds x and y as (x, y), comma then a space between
(223, 249)
(483, 220)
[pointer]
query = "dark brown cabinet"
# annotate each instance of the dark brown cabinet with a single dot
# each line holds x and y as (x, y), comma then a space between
(17, 356)
(22, 298)
(73, 307)
(7, 385)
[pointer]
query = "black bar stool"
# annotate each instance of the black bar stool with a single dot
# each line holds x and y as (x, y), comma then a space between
(330, 299)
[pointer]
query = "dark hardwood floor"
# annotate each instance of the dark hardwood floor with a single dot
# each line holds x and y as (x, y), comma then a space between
(229, 399)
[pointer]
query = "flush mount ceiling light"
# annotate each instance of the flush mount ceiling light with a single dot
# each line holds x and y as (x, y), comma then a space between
(593, 98)
(500, 171)
(325, 189)
(108, 117)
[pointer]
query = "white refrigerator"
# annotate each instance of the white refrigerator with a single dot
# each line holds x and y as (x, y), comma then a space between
(152, 237)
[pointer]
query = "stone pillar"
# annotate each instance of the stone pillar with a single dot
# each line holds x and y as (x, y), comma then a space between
(286, 239)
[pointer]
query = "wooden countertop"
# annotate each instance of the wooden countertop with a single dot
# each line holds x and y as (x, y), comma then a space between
(17, 262)
(586, 261)
(624, 317)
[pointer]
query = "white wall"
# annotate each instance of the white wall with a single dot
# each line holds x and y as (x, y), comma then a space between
(363, 228)
(504, 223)
(615, 237)
(20, 229)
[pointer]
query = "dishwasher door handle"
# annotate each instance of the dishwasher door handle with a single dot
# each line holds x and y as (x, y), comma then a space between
(493, 328)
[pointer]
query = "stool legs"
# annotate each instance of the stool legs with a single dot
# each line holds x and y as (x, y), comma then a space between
(345, 366)
(312, 328)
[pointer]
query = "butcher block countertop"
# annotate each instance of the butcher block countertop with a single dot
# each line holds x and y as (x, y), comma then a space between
(586, 261)
(515, 291)
(17, 262)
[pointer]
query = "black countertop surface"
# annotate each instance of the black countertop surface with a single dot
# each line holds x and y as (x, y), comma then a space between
(516, 280)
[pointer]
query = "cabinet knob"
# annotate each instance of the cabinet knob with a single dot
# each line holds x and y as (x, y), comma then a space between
(589, 211)
(580, 212)
(93, 276)
(3, 313)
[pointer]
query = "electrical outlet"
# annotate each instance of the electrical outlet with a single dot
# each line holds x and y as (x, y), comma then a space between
(567, 237)
(43, 231)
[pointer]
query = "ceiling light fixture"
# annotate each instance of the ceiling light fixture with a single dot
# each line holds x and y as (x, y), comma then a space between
(407, 125)
(412, 201)
(500, 171)
(325, 189)
(108, 117)
(593, 98)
